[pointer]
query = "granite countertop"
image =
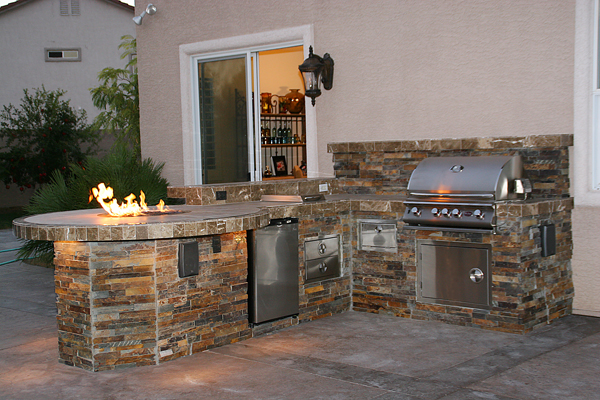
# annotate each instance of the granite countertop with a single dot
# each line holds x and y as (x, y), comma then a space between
(95, 225)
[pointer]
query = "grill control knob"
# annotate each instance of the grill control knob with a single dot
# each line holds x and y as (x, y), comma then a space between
(416, 212)
(478, 214)
(436, 212)
(446, 212)
(456, 213)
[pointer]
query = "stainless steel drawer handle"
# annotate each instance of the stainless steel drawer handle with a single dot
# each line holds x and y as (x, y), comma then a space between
(476, 275)
(322, 248)
(322, 267)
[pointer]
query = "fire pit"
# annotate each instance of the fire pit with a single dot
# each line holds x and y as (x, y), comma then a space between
(117, 281)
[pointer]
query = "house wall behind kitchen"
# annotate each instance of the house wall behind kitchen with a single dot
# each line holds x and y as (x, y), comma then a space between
(404, 69)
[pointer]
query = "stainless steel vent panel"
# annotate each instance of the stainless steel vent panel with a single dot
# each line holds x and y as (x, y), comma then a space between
(377, 235)
(490, 177)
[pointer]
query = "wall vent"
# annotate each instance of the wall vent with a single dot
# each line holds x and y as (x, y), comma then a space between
(58, 55)
(69, 7)
(64, 7)
(75, 7)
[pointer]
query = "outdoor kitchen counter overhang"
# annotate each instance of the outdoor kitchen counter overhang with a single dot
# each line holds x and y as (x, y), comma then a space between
(96, 226)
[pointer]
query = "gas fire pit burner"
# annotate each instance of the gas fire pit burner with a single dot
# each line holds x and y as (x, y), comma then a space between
(147, 213)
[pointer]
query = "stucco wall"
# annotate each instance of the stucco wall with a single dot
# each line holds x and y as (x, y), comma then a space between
(30, 28)
(404, 69)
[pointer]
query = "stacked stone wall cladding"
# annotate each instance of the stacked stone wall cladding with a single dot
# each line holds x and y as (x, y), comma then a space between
(385, 167)
(122, 304)
(251, 191)
(73, 290)
(527, 290)
(200, 312)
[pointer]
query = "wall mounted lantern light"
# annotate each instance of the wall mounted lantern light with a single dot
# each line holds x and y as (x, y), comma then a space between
(150, 10)
(315, 70)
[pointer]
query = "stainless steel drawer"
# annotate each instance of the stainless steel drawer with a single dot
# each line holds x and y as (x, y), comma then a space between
(319, 248)
(377, 235)
(322, 268)
(322, 258)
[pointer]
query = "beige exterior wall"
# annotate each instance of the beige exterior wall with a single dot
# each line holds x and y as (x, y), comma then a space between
(30, 28)
(405, 69)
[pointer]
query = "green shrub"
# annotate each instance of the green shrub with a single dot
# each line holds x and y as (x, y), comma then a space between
(120, 170)
(117, 96)
(43, 135)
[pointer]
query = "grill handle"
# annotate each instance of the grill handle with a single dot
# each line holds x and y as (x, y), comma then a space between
(477, 195)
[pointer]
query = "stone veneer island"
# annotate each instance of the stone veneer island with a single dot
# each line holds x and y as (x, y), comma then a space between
(121, 302)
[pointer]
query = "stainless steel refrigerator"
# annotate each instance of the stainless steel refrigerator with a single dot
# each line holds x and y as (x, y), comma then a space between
(273, 271)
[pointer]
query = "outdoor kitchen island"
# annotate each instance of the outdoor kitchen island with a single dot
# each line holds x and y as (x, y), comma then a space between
(121, 302)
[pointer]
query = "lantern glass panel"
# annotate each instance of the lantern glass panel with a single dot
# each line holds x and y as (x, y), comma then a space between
(311, 81)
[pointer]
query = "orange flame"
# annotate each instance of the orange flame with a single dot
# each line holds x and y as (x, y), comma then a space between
(104, 196)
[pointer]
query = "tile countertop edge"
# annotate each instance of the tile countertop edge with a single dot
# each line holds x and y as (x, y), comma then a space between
(182, 229)
(206, 227)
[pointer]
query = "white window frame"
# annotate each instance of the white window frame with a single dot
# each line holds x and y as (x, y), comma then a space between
(188, 53)
(585, 154)
(596, 100)
(250, 58)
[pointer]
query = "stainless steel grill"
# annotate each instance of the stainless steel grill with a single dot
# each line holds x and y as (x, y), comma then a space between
(460, 193)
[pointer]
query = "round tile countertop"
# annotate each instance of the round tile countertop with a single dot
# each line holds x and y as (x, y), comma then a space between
(190, 221)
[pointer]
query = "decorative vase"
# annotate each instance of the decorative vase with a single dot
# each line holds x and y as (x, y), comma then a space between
(265, 103)
(295, 101)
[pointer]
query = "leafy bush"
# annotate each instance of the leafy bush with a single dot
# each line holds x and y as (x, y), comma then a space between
(118, 96)
(44, 134)
(120, 169)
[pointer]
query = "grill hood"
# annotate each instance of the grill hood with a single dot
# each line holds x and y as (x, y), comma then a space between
(487, 177)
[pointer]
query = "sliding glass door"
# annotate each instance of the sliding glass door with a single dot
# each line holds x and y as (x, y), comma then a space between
(224, 141)
(226, 134)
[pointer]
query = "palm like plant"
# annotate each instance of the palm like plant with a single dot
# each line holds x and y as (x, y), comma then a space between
(120, 169)
(118, 96)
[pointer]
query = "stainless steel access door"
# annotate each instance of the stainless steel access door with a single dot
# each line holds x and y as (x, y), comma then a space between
(454, 273)
(273, 271)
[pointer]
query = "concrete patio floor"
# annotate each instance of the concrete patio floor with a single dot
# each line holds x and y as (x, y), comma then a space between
(348, 356)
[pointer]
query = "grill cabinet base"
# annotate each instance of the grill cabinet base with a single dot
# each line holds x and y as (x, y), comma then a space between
(454, 273)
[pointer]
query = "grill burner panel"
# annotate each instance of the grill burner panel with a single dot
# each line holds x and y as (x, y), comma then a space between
(460, 193)
(444, 214)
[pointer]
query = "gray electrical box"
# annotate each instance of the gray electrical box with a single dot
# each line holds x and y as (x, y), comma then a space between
(548, 236)
(188, 261)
